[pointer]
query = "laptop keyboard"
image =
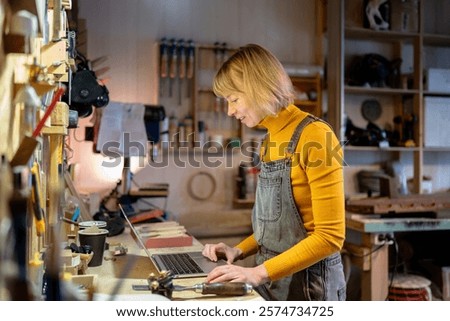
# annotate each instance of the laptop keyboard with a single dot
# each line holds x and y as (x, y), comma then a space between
(180, 263)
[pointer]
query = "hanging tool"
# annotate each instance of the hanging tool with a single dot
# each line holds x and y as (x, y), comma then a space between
(190, 65)
(224, 50)
(217, 55)
(36, 200)
(28, 102)
(55, 135)
(181, 68)
(57, 22)
(223, 102)
(173, 61)
(18, 206)
(71, 45)
(49, 110)
(217, 111)
(6, 190)
(173, 131)
(28, 144)
(163, 62)
(51, 288)
(218, 59)
(223, 56)
(72, 55)
(163, 284)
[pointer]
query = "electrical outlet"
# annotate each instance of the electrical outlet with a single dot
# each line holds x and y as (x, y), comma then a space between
(383, 238)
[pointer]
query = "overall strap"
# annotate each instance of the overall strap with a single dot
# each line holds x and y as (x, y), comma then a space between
(294, 139)
(297, 133)
(263, 149)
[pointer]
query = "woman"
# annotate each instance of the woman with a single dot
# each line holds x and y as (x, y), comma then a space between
(298, 216)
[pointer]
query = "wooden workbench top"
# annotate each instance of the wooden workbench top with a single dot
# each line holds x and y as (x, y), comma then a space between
(378, 224)
(115, 277)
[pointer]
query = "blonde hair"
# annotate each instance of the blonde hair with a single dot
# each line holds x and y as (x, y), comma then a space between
(259, 76)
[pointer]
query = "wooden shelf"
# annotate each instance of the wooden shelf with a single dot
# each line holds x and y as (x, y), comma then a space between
(437, 149)
(380, 149)
(311, 103)
(434, 93)
(436, 39)
(309, 85)
(384, 36)
(379, 90)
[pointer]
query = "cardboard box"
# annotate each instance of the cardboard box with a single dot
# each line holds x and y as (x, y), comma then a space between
(436, 122)
(438, 80)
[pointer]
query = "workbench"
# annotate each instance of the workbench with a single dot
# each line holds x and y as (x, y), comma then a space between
(117, 274)
(371, 254)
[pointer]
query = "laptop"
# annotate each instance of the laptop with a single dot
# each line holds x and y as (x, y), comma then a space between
(181, 264)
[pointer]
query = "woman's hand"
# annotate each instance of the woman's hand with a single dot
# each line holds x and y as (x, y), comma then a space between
(211, 251)
(234, 273)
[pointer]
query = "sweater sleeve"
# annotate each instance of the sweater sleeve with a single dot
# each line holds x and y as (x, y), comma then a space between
(321, 166)
(248, 246)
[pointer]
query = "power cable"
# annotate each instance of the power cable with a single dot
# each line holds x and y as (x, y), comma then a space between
(394, 270)
(370, 253)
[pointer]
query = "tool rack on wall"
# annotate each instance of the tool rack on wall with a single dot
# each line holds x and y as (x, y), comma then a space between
(187, 70)
(35, 70)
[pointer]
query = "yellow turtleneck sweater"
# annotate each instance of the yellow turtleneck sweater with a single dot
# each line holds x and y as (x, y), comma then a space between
(318, 189)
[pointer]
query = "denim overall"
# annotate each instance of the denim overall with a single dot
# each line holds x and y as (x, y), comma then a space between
(278, 226)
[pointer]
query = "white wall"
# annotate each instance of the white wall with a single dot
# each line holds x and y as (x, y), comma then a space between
(128, 31)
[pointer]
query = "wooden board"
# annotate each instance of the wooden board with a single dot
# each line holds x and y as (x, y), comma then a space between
(164, 234)
(403, 204)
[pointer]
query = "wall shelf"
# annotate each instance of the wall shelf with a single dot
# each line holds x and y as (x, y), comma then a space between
(379, 91)
(420, 49)
(380, 149)
(385, 36)
(310, 87)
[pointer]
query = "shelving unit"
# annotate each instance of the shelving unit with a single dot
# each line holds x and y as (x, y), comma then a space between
(426, 47)
(309, 93)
